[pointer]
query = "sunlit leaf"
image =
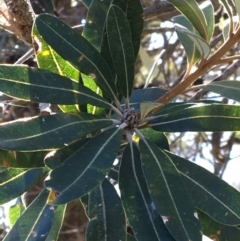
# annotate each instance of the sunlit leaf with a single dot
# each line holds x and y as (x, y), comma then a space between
(200, 117)
(209, 193)
(47, 132)
(142, 215)
(15, 181)
(208, 11)
(15, 212)
(94, 159)
(106, 223)
(146, 107)
(237, 5)
(167, 191)
(77, 50)
(35, 222)
(121, 48)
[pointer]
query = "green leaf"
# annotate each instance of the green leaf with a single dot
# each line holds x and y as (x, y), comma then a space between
(43, 86)
(147, 107)
(157, 137)
(228, 88)
(133, 10)
(237, 5)
(47, 132)
(167, 191)
(193, 54)
(15, 212)
(130, 237)
(22, 159)
(194, 14)
(87, 3)
(77, 50)
(209, 193)
(46, 5)
(15, 181)
(142, 215)
(121, 48)
(106, 223)
(200, 117)
(35, 222)
(86, 168)
(208, 12)
(57, 157)
(95, 22)
(217, 231)
(56, 223)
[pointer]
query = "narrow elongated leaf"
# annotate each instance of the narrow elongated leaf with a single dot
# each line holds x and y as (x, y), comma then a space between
(209, 193)
(86, 168)
(15, 212)
(47, 132)
(217, 231)
(57, 157)
(228, 88)
(237, 5)
(56, 223)
(107, 223)
(95, 22)
(130, 238)
(142, 215)
(43, 86)
(200, 118)
(121, 48)
(194, 14)
(167, 189)
(35, 222)
(77, 50)
(22, 159)
(133, 10)
(208, 12)
(14, 181)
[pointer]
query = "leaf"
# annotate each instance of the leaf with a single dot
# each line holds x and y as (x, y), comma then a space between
(194, 14)
(57, 157)
(87, 3)
(56, 223)
(35, 222)
(95, 22)
(133, 10)
(106, 223)
(157, 137)
(193, 54)
(130, 237)
(47, 5)
(43, 86)
(121, 48)
(142, 215)
(22, 159)
(14, 181)
(86, 168)
(228, 88)
(15, 212)
(237, 5)
(147, 107)
(200, 117)
(208, 12)
(77, 50)
(209, 193)
(167, 191)
(47, 132)
(217, 231)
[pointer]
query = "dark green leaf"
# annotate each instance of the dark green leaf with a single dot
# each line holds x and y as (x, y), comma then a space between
(228, 88)
(201, 117)
(77, 50)
(208, 11)
(14, 181)
(87, 3)
(194, 14)
(56, 223)
(145, 221)
(167, 191)
(121, 48)
(95, 22)
(43, 86)
(86, 168)
(22, 159)
(130, 237)
(209, 193)
(35, 222)
(56, 158)
(47, 5)
(106, 223)
(217, 231)
(47, 132)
